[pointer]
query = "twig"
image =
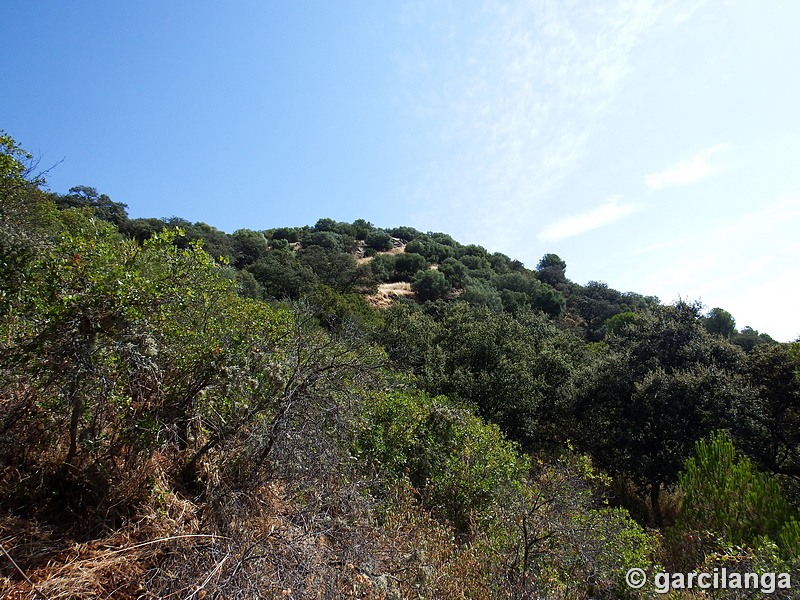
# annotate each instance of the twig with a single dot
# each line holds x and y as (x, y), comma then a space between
(172, 537)
(21, 572)
(210, 575)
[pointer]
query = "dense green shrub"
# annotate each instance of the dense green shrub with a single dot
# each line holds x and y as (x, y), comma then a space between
(378, 240)
(455, 271)
(335, 269)
(725, 493)
(555, 539)
(290, 234)
(460, 465)
(282, 274)
(429, 285)
(407, 264)
(329, 240)
(432, 251)
(405, 233)
(481, 294)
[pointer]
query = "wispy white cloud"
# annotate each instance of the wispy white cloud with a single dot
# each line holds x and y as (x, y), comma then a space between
(748, 227)
(688, 171)
(662, 245)
(746, 271)
(723, 265)
(512, 97)
(610, 211)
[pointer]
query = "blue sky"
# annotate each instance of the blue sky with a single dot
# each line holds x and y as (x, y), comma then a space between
(653, 145)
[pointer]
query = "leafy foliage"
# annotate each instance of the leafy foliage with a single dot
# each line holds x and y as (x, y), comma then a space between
(517, 371)
(459, 464)
(772, 431)
(282, 274)
(88, 197)
(378, 240)
(552, 270)
(662, 383)
(406, 265)
(748, 338)
(724, 492)
(429, 284)
(719, 321)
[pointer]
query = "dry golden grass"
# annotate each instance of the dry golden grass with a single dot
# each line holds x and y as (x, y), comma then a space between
(46, 564)
(325, 542)
(387, 292)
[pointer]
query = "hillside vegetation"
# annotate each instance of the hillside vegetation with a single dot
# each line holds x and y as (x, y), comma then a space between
(345, 411)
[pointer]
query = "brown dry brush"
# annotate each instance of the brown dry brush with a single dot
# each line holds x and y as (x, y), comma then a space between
(71, 443)
(274, 546)
(304, 523)
(326, 542)
(300, 435)
(293, 524)
(278, 508)
(41, 562)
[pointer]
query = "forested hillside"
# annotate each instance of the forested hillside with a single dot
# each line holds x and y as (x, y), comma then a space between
(347, 411)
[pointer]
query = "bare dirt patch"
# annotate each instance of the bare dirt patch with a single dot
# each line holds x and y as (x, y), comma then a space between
(387, 292)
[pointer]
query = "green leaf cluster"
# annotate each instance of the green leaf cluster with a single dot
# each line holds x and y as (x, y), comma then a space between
(724, 492)
(459, 464)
